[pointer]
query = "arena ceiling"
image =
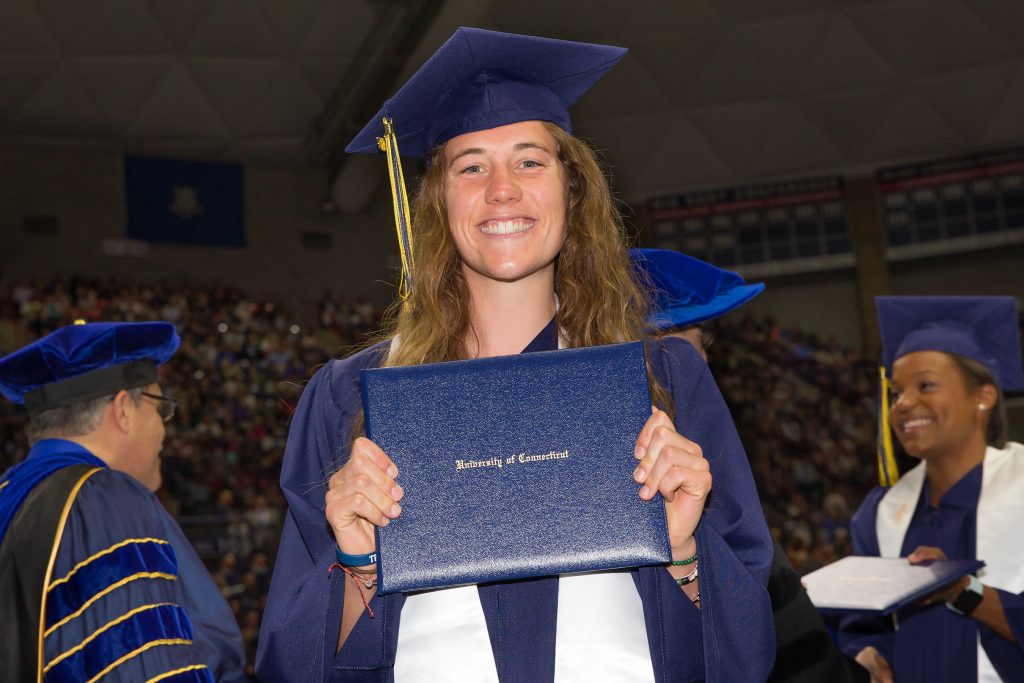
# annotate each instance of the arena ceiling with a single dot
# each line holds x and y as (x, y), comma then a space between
(712, 93)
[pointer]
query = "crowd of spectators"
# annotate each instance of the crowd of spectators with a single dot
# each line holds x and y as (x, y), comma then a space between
(804, 408)
(806, 411)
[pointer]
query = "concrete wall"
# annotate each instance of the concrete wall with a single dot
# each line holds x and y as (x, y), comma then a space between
(83, 189)
(825, 303)
(993, 271)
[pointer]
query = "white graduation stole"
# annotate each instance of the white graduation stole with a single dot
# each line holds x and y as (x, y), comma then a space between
(999, 519)
(601, 636)
(442, 636)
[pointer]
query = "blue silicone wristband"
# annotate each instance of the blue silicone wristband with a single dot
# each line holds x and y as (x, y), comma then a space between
(347, 560)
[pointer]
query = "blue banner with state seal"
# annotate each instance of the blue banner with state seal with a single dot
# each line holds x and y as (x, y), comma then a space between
(171, 201)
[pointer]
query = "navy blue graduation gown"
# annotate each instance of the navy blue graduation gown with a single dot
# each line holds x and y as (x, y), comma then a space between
(128, 599)
(932, 643)
(730, 639)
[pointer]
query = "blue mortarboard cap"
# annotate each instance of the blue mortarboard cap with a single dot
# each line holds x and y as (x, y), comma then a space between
(982, 328)
(689, 291)
(484, 79)
(83, 362)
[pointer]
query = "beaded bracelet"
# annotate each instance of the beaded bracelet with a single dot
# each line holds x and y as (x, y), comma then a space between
(689, 578)
(683, 563)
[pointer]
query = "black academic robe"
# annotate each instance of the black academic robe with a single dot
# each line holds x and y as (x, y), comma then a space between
(97, 581)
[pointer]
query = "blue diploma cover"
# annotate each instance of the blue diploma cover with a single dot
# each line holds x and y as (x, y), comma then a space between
(514, 467)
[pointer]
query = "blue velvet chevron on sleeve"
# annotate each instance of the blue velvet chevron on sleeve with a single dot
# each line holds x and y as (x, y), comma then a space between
(121, 604)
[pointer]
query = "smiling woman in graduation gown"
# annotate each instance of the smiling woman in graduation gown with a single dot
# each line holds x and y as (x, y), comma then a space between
(950, 358)
(497, 104)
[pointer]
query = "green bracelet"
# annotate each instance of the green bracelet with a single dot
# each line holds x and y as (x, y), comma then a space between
(683, 563)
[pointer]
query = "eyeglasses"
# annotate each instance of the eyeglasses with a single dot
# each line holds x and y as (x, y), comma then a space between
(164, 406)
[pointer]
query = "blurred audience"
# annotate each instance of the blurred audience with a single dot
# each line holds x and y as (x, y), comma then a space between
(805, 410)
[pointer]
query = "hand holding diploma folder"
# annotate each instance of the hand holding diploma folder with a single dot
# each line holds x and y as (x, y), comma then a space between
(880, 584)
(514, 466)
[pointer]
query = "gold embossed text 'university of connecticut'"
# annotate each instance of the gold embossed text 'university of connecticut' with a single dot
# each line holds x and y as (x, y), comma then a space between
(520, 458)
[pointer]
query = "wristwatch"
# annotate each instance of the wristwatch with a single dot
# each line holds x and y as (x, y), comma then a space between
(969, 598)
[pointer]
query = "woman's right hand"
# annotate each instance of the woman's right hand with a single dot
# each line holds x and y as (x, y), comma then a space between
(361, 495)
(872, 660)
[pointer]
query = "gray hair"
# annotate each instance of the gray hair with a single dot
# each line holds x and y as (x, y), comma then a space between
(77, 419)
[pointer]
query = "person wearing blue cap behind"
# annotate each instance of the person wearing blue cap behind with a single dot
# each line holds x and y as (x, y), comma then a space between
(688, 293)
(97, 581)
(949, 359)
(518, 248)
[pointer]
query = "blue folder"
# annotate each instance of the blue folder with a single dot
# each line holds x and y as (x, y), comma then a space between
(514, 467)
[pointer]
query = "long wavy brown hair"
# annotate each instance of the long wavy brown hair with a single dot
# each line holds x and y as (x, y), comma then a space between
(601, 298)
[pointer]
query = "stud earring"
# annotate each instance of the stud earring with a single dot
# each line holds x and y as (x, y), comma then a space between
(982, 406)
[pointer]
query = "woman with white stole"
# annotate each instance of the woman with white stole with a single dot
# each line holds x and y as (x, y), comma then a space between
(950, 359)
(518, 248)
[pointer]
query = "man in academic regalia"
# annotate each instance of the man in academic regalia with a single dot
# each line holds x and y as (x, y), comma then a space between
(97, 581)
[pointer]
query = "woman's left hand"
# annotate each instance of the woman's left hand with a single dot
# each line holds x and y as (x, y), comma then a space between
(674, 466)
(927, 553)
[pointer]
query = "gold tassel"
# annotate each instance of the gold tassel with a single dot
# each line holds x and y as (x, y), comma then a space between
(400, 203)
(888, 473)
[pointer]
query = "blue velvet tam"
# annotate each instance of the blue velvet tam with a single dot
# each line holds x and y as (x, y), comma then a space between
(982, 328)
(83, 362)
(689, 291)
(485, 79)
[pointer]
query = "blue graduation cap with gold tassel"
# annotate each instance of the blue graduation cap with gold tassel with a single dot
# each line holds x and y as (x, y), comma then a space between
(476, 81)
(982, 328)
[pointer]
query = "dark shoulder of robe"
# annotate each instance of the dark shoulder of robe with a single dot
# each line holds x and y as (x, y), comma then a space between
(24, 561)
(731, 638)
(805, 650)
